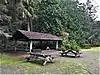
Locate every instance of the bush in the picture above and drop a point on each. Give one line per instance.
(70, 45)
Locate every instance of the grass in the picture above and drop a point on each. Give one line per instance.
(94, 50)
(58, 67)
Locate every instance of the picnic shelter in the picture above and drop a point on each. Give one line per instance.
(22, 35)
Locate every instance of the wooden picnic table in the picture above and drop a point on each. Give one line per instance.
(75, 52)
(45, 57)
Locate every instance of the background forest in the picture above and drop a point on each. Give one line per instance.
(73, 21)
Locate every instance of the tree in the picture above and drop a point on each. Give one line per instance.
(94, 34)
(27, 9)
(49, 19)
(75, 20)
(64, 16)
(50, 16)
(91, 9)
(19, 14)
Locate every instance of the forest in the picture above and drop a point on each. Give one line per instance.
(71, 20)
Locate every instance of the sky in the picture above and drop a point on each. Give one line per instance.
(95, 3)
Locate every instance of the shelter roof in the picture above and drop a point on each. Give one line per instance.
(29, 35)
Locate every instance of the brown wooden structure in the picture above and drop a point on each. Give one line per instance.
(30, 36)
(75, 52)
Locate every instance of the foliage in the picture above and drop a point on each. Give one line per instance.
(91, 10)
(63, 16)
(93, 37)
(51, 16)
(75, 21)
(16, 14)
(70, 45)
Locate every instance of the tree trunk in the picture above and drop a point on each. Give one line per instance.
(28, 26)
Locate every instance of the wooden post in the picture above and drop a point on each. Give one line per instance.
(31, 46)
(56, 44)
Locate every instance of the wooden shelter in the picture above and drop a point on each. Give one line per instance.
(30, 36)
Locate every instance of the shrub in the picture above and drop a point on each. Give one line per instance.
(70, 45)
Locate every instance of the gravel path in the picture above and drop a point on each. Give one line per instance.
(92, 62)
(11, 70)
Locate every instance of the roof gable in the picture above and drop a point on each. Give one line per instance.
(19, 36)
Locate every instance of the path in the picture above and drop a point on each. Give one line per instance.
(92, 61)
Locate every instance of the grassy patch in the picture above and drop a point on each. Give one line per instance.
(94, 50)
(58, 67)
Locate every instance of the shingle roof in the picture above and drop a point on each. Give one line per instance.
(37, 36)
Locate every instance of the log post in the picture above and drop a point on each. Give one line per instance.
(31, 46)
(56, 44)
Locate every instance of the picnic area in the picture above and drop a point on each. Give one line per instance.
(49, 37)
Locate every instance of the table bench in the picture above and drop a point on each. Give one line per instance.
(75, 52)
(45, 57)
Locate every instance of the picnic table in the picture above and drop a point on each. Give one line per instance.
(41, 56)
(75, 52)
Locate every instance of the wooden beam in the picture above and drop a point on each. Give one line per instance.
(56, 44)
(31, 46)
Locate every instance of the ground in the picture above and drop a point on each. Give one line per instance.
(88, 63)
